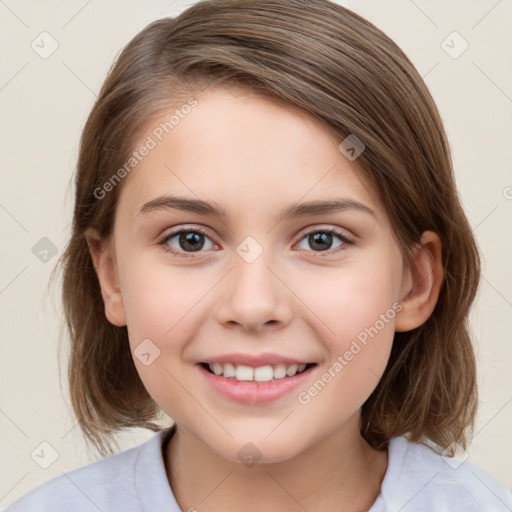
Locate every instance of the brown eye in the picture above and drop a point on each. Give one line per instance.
(185, 242)
(191, 241)
(323, 240)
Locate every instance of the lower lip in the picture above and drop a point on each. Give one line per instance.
(251, 392)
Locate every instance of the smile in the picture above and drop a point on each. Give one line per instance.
(255, 385)
(265, 373)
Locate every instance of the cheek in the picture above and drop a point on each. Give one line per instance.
(357, 312)
(162, 305)
(356, 308)
(350, 299)
(167, 306)
(158, 299)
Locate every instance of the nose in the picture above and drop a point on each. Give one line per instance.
(254, 296)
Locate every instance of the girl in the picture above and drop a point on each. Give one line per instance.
(268, 247)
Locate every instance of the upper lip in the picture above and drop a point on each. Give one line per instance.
(255, 360)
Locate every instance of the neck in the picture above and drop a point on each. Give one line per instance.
(341, 468)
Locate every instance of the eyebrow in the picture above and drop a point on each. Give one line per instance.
(293, 210)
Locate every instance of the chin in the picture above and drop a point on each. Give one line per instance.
(259, 451)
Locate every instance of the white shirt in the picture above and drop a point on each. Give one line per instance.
(416, 480)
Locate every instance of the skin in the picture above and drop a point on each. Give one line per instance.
(255, 156)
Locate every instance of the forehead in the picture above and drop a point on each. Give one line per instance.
(245, 152)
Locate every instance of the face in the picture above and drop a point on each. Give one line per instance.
(259, 282)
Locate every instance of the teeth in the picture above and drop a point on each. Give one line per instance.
(229, 370)
(216, 368)
(263, 373)
(280, 371)
(260, 374)
(244, 373)
(291, 370)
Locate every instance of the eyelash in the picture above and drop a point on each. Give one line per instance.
(331, 231)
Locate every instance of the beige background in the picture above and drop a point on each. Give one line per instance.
(44, 105)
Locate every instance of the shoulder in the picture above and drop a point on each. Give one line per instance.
(420, 479)
(112, 483)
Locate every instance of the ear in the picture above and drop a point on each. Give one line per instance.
(105, 267)
(421, 284)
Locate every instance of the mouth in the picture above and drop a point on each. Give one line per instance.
(255, 385)
(260, 374)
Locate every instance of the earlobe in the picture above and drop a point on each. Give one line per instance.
(421, 284)
(104, 265)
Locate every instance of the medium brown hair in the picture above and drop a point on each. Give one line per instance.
(348, 74)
